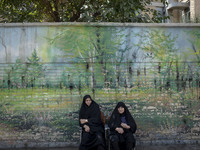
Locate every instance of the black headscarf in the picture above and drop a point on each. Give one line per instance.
(92, 113)
(115, 119)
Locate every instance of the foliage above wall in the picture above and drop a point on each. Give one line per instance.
(78, 11)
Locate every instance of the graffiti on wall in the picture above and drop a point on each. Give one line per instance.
(46, 70)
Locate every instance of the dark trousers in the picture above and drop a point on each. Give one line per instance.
(92, 141)
(122, 142)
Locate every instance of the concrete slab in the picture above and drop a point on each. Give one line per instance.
(163, 147)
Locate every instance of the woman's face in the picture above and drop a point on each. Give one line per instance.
(88, 101)
(121, 110)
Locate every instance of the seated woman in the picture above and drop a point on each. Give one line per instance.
(93, 135)
(122, 126)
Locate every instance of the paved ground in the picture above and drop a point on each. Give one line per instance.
(172, 147)
(166, 147)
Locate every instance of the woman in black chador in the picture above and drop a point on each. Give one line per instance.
(92, 126)
(122, 126)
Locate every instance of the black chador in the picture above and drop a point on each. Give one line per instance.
(122, 127)
(94, 139)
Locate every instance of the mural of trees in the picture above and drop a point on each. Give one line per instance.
(159, 46)
(100, 50)
(147, 68)
(195, 43)
(22, 75)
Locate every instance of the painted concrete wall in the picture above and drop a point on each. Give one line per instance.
(46, 69)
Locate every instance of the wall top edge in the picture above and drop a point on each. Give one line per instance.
(106, 24)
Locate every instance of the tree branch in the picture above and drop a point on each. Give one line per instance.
(54, 14)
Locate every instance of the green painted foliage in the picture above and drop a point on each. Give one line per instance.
(24, 74)
(195, 41)
(158, 45)
(99, 50)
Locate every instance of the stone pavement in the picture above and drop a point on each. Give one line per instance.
(163, 147)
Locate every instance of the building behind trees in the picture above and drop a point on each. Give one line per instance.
(179, 11)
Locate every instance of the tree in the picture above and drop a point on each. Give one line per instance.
(34, 70)
(78, 11)
(15, 74)
(193, 54)
(158, 45)
(195, 43)
(97, 49)
(21, 75)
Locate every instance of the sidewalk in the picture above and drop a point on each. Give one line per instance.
(164, 147)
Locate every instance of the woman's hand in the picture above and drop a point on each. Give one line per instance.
(87, 128)
(124, 125)
(119, 130)
(82, 121)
